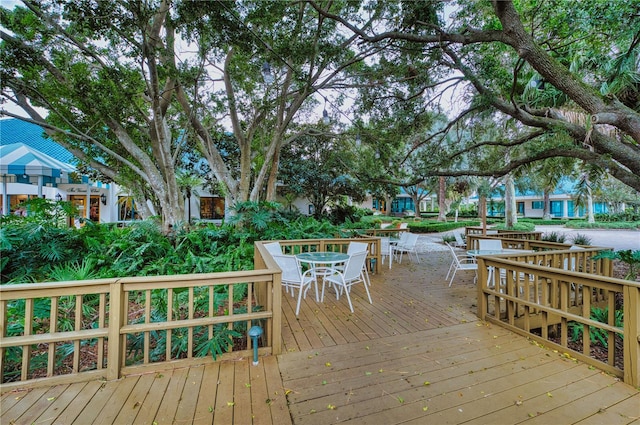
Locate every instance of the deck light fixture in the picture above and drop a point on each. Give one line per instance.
(103, 199)
(254, 334)
(58, 197)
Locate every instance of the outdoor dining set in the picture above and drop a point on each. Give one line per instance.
(336, 270)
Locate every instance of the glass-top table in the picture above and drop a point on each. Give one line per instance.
(322, 263)
(322, 257)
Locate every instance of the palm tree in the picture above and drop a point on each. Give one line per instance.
(187, 183)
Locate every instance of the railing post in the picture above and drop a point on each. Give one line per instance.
(631, 326)
(276, 321)
(483, 305)
(117, 303)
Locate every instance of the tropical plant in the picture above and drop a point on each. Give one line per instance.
(597, 335)
(554, 237)
(579, 239)
(627, 256)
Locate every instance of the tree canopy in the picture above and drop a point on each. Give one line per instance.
(134, 88)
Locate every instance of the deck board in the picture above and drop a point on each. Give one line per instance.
(79, 402)
(147, 411)
(417, 355)
(206, 397)
(61, 403)
(171, 397)
(134, 401)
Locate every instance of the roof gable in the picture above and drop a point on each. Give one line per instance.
(13, 130)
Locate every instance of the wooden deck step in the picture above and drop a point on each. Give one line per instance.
(469, 373)
(214, 393)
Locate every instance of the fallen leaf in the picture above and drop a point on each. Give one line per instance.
(367, 373)
(247, 385)
(230, 403)
(136, 404)
(327, 364)
(424, 409)
(324, 382)
(427, 383)
(549, 395)
(210, 409)
(331, 407)
(400, 399)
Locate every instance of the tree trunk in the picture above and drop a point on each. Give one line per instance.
(442, 197)
(510, 210)
(546, 211)
(482, 209)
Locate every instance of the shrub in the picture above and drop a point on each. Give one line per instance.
(434, 226)
(597, 335)
(520, 227)
(579, 239)
(554, 237)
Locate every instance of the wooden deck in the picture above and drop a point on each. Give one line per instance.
(417, 355)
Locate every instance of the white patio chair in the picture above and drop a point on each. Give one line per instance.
(489, 244)
(293, 278)
(352, 275)
(385, 248)
(461, 262)
(410, 246)
(459, 242)
(274, 248)
(352, 249)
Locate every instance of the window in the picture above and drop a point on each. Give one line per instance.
(537, 205)
(211, 208)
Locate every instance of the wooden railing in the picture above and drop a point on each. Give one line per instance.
(513, 234)
(81, 330)
(388, 231)
(63, 332)
(519, 243)
(533, 295)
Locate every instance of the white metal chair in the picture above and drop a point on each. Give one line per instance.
(461, 262)
(352, 249)
(357, 247)
(352, 275)
(410, 246)
(489, 244)
(293, 278)
(274, 248)
(459, 242)
(385, 248)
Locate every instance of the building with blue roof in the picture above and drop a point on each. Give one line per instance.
(32, 165)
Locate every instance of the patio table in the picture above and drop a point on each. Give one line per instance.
(322, 263)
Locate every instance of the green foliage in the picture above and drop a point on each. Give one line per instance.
(579, 239)
(520, 227)
(631, 258)
(597, 335)
(575, 224)
(554, 237)
(431, 226)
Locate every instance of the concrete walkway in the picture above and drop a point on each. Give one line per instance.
(616, 239)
